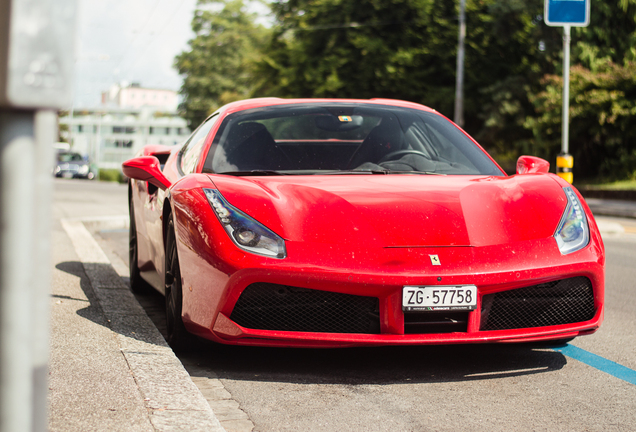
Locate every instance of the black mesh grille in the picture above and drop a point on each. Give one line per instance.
(435, 322)
(267, 306)
(561, 302)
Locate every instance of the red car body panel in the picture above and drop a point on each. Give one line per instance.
(398, 211)
(364, 235)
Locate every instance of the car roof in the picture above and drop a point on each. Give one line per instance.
(272, 101)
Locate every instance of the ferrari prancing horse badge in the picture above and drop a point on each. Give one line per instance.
(435, 260)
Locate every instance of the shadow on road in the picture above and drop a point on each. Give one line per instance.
(353, 366)
(111, 304)
(377, 366)
(93, 310)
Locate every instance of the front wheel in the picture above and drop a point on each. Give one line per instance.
(178, 337)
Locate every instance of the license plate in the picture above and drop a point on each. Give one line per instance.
(67, 175)
(439, 298)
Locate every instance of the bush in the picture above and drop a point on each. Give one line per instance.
(112, 175)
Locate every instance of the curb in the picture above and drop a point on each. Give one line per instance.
(172, 400)
(612, 208)
(609, 228)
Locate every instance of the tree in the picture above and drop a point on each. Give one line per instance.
(514, 51)
(217, 68)
(406, 49)
(368, 48)
(602, 126)
(602, 94)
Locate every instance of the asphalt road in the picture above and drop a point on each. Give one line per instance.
(589, 385)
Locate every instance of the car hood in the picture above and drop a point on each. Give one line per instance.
(400, 210)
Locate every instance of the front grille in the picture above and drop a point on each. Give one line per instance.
(435, 322)
(266, 306)
(69, 167)
(560, 302)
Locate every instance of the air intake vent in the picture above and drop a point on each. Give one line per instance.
(265, 306)
(561, 302)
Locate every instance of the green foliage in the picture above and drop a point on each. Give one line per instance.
(517, 49)
(369, 48)
(111, 175)
(611, 33)
(602, 91)
(406, 49)
(217, 68)
(602, 113)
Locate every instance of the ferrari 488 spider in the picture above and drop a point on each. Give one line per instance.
(327, 223)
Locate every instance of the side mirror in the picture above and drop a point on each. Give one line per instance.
(531, 164)
(146, 168)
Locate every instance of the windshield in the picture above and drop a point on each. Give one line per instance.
(343, 138)
(69, 157)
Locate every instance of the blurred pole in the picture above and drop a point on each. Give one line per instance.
(26, 159)
(45, 135)
(36, 63)
(17, 265)
(459, 87)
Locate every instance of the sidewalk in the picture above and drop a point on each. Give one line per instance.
(110, 369)
(614, 217)
(615, 208)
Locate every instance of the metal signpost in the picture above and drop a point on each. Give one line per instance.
(566, 14)
(36, 61)
(459, 86)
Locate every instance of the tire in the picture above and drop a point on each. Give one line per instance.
(177, 336)
(137, 284)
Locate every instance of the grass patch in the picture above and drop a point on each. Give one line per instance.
(615, 185)
(112, 175)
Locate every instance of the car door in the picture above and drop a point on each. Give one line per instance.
(186, 161)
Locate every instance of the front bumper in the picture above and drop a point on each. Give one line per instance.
(212, 294)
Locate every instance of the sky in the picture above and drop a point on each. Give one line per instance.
(129, 41)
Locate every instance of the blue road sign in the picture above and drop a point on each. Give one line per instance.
(567, 12)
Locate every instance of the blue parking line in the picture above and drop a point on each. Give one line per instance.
(598, 362)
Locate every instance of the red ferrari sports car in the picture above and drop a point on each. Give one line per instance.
(329, 223)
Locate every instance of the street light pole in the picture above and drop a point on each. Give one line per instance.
(459, 87)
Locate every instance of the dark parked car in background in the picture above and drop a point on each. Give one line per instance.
(73, 165)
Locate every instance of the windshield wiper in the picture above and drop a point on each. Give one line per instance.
(254, 173)
(416, 172)
(381, 172)
(354, 172)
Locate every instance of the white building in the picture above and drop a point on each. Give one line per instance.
(109, 136)
(135, 96)
(130, 117)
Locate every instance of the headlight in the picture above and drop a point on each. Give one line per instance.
(573, 233)
(245, 232)
(83, 170)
